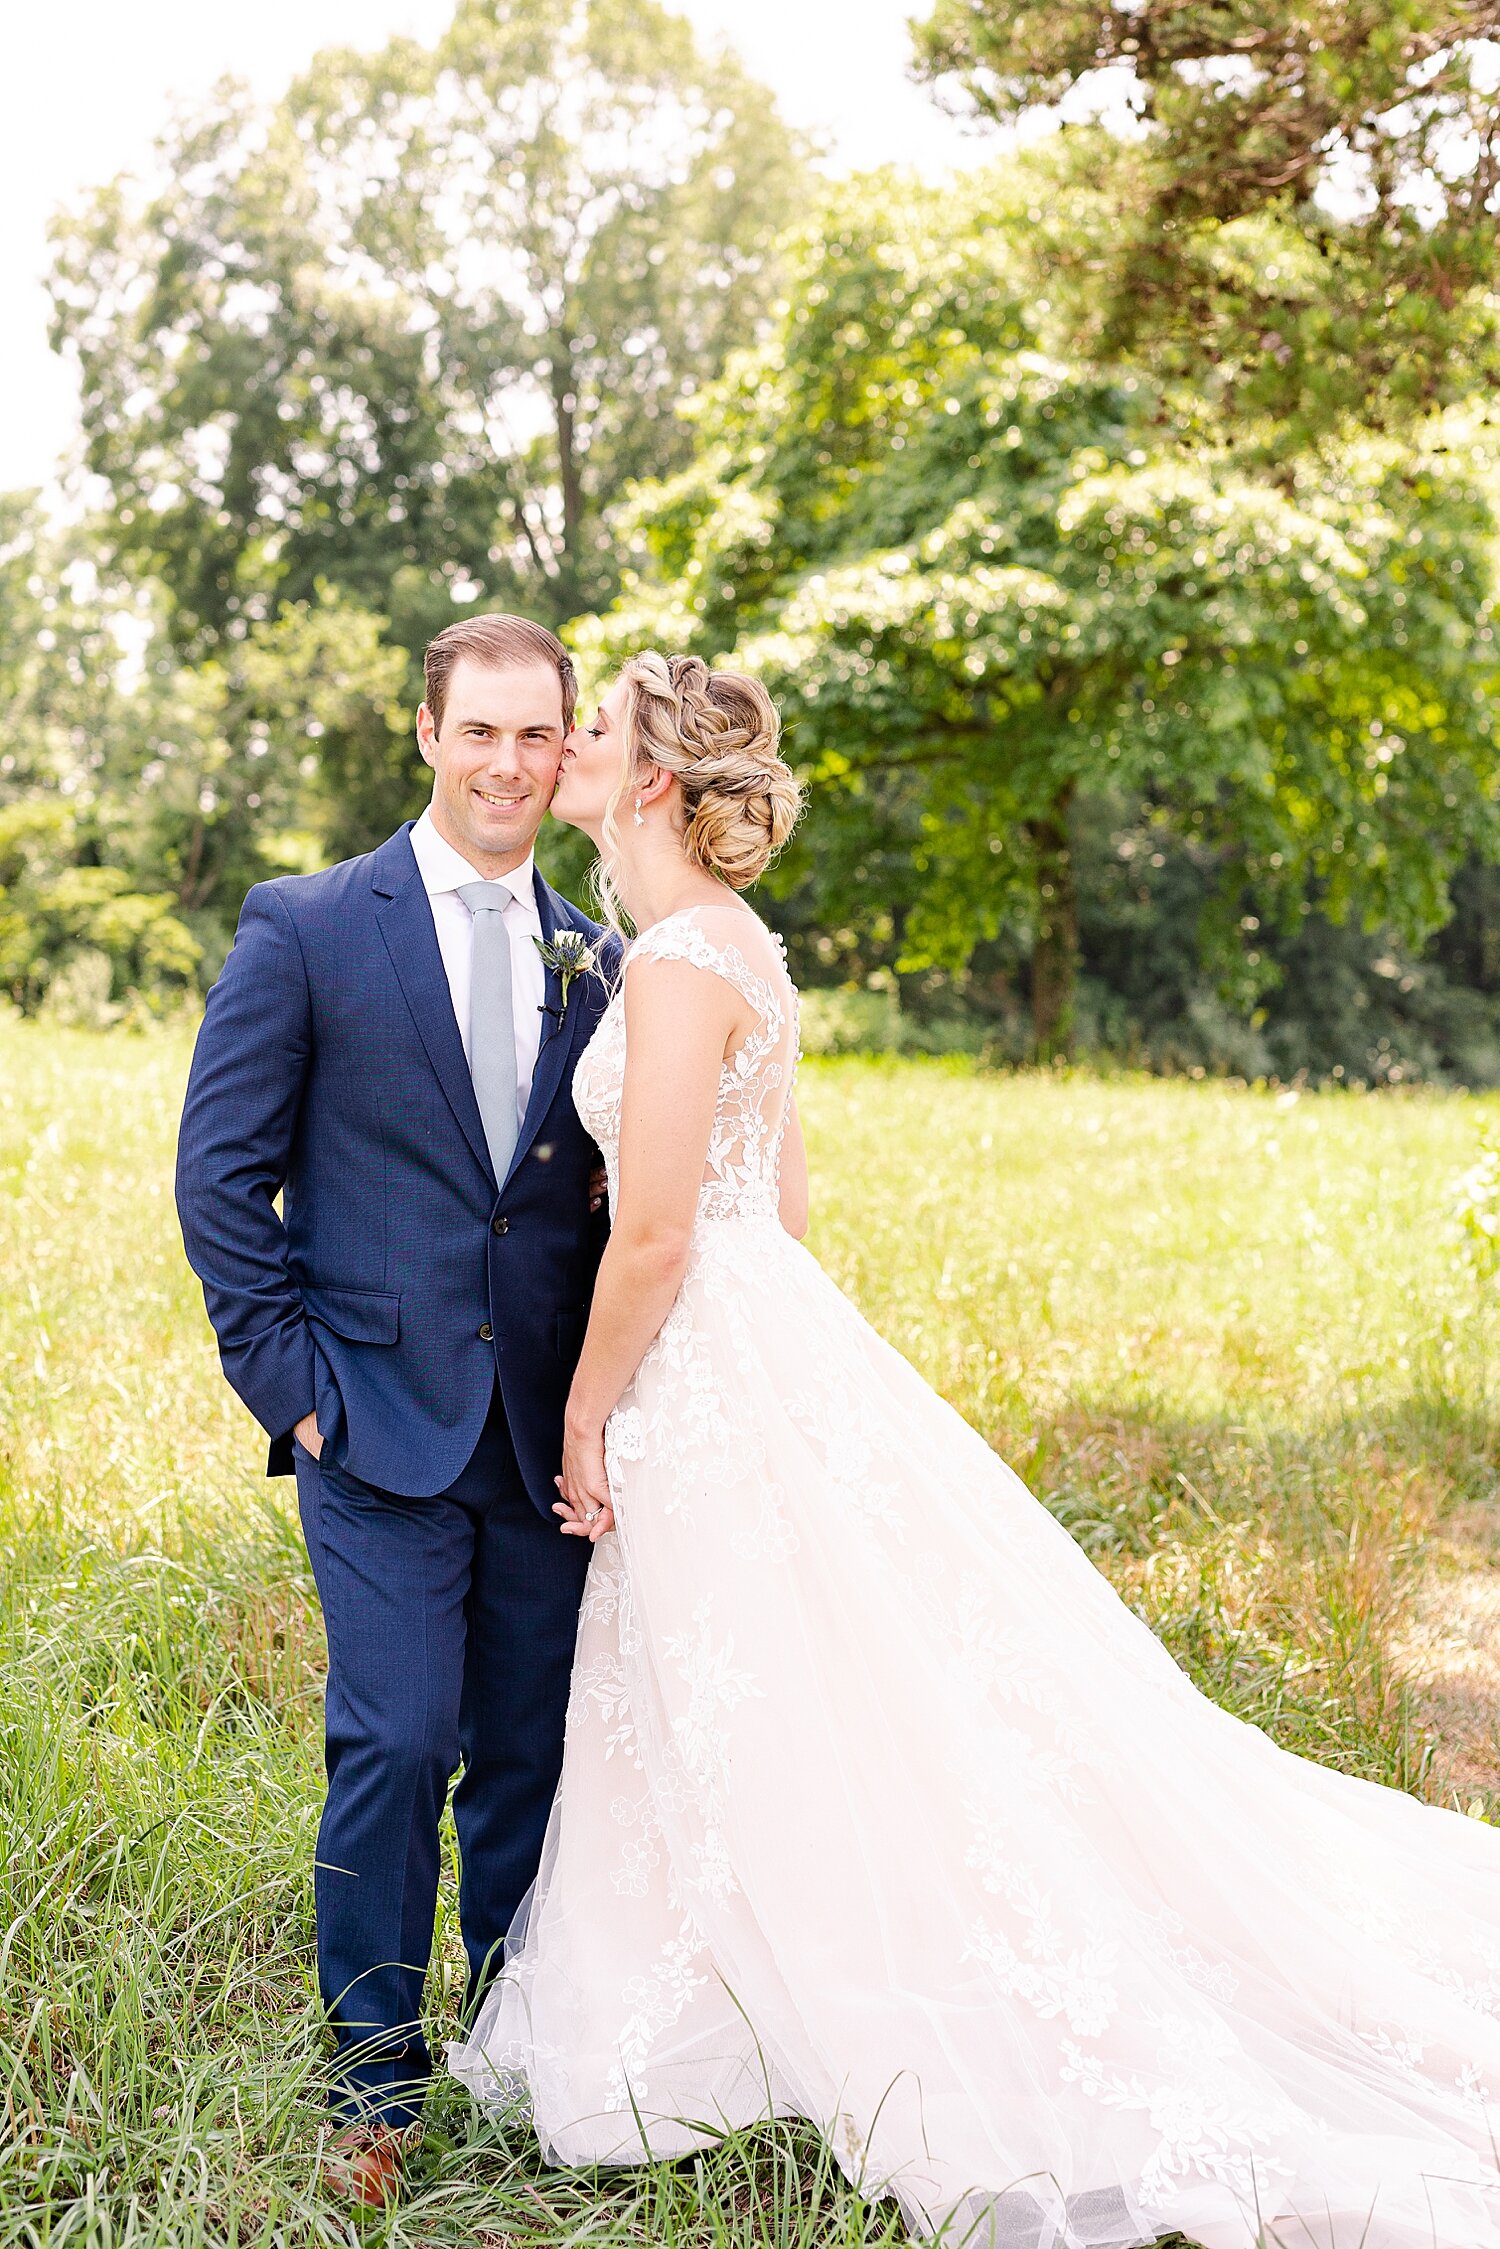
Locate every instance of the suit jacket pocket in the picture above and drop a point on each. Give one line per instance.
(359, 1315)
(570, 1333)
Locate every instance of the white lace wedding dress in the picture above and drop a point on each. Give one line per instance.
(880, 1807)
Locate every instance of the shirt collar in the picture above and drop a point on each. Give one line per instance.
(442, 868)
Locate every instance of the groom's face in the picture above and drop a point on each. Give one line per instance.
(494, 758)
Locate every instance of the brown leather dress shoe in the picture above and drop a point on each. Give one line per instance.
(363, 2164)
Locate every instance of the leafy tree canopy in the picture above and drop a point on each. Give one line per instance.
(982, 579)
(141, 795)
(1306, 213)
(407, 332)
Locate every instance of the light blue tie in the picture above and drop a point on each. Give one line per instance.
(492, 1023)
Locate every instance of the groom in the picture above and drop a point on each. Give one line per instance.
(390, 1050)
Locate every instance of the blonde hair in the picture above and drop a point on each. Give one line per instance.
(718, 734)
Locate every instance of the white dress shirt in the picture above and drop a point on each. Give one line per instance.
(444, 871)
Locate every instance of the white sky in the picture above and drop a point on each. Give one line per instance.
(89, 82)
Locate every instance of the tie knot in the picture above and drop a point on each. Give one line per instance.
(485, 897)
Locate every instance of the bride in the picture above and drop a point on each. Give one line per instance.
(879, 1807)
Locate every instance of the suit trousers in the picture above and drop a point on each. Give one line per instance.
(451, 1624)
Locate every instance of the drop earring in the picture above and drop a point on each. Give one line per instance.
(640, 820)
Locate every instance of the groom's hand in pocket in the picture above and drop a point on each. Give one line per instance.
(308, 1436)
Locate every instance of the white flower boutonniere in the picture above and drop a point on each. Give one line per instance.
(567, 956)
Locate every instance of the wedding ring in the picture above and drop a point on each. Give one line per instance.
(591, 1514)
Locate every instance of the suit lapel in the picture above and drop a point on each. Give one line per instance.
(404, 914)
(559, 1026)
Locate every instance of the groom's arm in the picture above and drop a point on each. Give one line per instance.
(238, 1123)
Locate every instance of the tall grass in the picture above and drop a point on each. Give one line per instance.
(1226, 1337)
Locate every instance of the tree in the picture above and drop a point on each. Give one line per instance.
(290, 748)
(406, 334)
(1307, 220)
(61, 908)
(982, 580)
(141, 796)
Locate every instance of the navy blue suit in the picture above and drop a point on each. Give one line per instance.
(432, 1316)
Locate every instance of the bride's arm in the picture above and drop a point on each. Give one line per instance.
(679, 1023)
(792, 1202)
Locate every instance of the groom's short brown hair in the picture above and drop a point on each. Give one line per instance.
(496, 640)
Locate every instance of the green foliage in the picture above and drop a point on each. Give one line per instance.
(304, 721)
(1478, 1209)
(369, 357)
(140, 795)
(1336, 1004)
(1304, 209)
(982, 580)
(404, 333)
(104, 933)
(1101, 517)
(54, 913)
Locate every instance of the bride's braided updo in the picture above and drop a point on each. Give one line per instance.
(718, 734)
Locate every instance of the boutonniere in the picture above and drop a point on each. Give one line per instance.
(567, 955)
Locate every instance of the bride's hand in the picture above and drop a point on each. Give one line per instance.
(584, 1506)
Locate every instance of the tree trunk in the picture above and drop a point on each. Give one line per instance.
(565, 406)
(1054, 956)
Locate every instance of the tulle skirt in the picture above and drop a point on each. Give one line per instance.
(880, 1808)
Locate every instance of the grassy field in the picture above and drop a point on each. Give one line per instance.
(1228, 1336)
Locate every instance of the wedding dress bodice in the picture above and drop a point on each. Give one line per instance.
(740, 1177)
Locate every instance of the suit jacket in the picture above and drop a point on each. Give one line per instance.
(399, 1276)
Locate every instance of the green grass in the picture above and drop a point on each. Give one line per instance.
(1228, 1336)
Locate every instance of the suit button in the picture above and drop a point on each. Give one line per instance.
(499, 1225)
(486, 1333)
